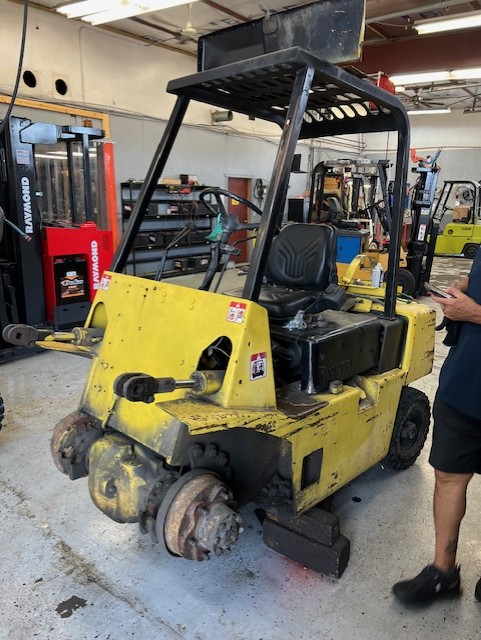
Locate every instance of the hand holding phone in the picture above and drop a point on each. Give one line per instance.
(431, 288)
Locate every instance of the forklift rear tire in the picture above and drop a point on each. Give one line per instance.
(469, 250)
(406, 281)
(410, 429)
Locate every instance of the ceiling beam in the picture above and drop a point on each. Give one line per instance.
(426, 53)
(227, 11)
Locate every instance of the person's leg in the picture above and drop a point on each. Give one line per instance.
(442, 577)
(449, 510)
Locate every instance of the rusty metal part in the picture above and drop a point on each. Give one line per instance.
(277, 490)
(158, 491)
(122, 474)
(86, 336)
(210, 458)
(71, 440)
(198, 517)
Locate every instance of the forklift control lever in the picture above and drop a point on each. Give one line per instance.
(140, 387)
(229, 249)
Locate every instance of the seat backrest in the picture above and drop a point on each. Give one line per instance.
(303, 256)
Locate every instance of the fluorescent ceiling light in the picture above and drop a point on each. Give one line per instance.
(462, 21)
(435, 76)
(420, 78)
(101, 11)
(425, 112)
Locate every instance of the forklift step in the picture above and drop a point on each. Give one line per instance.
(329, 560)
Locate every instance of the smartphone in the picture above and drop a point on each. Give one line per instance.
(436, 290)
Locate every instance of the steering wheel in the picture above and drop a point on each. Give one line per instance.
(230, 224)
(217, 193)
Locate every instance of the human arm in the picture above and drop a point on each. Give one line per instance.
(460, 306)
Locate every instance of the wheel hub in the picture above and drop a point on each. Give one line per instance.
(198, 517)
(71, 440)
(409, 433)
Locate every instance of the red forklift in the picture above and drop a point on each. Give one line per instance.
(57, 232)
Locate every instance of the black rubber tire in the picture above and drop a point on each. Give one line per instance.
(405, 280)
(469, 250)
(410, 430)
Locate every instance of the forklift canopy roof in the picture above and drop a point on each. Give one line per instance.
(261, 87)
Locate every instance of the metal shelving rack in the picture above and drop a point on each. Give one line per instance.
(170, 209)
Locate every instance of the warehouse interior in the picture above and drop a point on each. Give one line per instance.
(172, 149)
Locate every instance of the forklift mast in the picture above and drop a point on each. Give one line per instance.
(20, 261)
(425, 225)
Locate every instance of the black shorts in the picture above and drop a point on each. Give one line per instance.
(456, 446)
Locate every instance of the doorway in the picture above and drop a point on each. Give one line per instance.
(240, 186)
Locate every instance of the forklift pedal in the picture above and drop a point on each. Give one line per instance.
(330, 560)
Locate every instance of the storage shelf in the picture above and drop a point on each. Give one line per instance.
(171, 208)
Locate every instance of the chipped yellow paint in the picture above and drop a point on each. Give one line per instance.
(353, 435)
(418, 354)
(162, 329)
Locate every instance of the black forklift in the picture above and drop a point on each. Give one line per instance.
(281, 392)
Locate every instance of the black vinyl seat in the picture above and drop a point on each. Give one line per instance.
(301, 272)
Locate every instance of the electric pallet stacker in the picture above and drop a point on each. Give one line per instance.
(49, 268)
(279, 393)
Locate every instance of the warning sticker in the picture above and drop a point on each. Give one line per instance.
(105, 281)
(237, 312)
(258, 366)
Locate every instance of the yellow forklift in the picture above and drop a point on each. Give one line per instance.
(462, 234)
(279, 393)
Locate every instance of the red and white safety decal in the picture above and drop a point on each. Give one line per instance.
(237, 312)
(105, 281)
(258, 366)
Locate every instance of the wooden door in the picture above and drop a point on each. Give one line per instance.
(240, 186)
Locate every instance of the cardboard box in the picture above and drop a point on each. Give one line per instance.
(461, 212)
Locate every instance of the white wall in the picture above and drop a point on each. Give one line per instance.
(105, 71)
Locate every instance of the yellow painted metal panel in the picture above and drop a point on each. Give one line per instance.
(161, 330)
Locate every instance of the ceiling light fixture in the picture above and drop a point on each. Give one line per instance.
(452, 23)
(102, 11)
(435, 76)
(425, 112)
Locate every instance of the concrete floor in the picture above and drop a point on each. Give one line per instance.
(69, 573)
